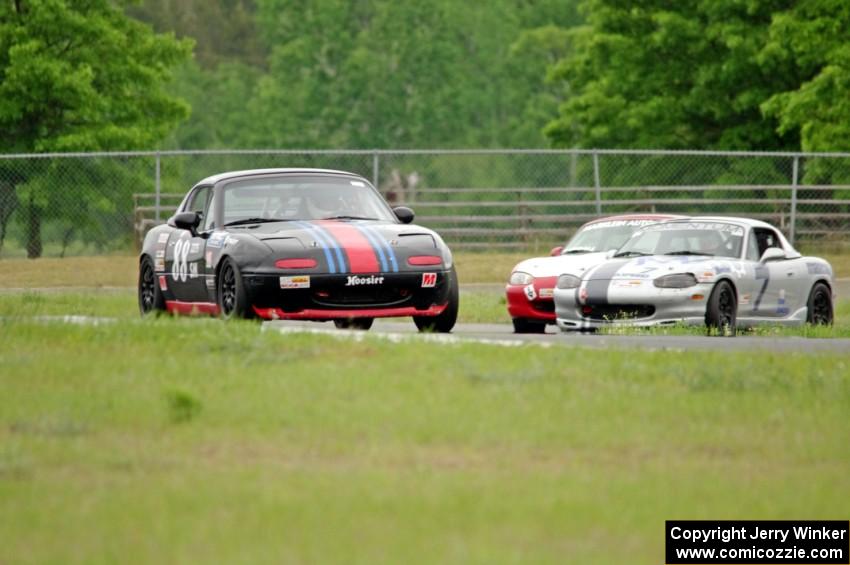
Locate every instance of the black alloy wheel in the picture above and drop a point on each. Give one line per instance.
(150, 295)
(722, 310)
(820, 311)
(445, 321)
(232, 298)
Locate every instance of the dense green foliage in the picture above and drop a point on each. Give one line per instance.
(77, 76)
(757, 75)
(333, 73)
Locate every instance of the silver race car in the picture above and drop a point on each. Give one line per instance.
(721, 272)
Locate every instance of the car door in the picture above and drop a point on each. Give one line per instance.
(186, 269)
(754, 276)
(782, 279)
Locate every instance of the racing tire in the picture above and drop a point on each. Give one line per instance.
(354, 323)
(231, 295)
(525, 326)
(151, 300)
(444, 322)
(721, 312)
(819, 306)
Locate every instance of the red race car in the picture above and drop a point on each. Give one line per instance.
(532, 283)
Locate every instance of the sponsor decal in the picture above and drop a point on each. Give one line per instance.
(208, 259)
(210, 282)
(781, 308)
(744, 300)
(163, 237)
(216, 240)
(357, 183)
(547, 292)
(159, 265)
(818, 269)
(195, 247)
(163, 283)
(354, 280)
(193, 270)
(429, 280)
(619, 223)
(731, 229)
(300, 281)
(529, 292)
(160, 253)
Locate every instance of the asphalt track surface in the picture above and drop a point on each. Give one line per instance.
(502, 334)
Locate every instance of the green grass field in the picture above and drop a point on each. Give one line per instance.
(194, 440)
(186, 440)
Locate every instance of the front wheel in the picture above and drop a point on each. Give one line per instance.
(721, 313)
(820, 312)
(354, 323)
(448, 317)
(151, 299)
(232, 297)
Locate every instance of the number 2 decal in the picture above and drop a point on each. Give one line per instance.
(762, 272)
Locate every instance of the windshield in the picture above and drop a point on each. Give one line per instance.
(312, 197)
(715, 239)
(603, 236)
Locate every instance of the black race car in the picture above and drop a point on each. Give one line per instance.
(297, 244)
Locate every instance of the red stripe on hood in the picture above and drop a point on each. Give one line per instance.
(361, 255)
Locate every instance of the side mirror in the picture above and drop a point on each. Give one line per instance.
(773, 254)
(404, 214)
(186, 221)
(556, 251)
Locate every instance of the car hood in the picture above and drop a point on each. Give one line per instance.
(353, 246)
(560, 264)
(651, 267)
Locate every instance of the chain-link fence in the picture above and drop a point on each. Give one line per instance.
(74, 204)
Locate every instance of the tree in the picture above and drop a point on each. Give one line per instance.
(80, 76)
(810, 42)
(400, 74)
(767, 74)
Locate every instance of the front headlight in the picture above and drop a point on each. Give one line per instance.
(518, 277)
(568, 282)
(683, 280)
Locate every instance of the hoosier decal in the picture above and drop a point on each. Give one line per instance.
(354, 280)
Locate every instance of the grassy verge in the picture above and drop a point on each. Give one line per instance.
(486, 307)
(476, 306)
(192, 440)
